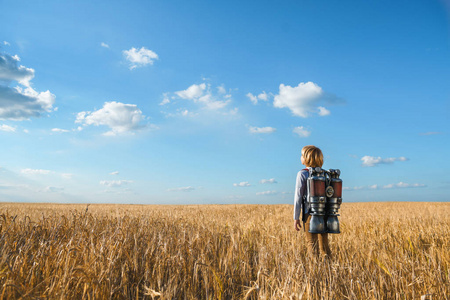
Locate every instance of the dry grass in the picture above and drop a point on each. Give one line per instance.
(385, 251)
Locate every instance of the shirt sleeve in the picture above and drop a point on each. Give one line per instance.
(300, 190)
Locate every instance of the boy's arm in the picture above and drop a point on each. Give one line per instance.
(297, 202)
(300, 191)
(297, 225)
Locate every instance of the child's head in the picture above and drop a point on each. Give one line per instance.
(312, 156)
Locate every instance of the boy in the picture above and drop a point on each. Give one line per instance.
(311, 157)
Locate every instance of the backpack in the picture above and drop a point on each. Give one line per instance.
(324, 198)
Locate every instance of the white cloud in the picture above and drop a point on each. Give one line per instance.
(6, 43)
(403, 185)
(346, 188)
(323, 111)
(18, 103)
(104, 45)
(202, 94)
(263, 96)
(199, 102)
(192, 92)
(252, 98)
(301, 100)
(26, 131)
(210, 102)
(59, 130)
(371, 161)
(114, 173)
(141, 57)
(266, 193)
(35, 172)
(44, 100)
(165, 101)
(15, 186)
(242, 184)
(120, 117)
(221, 89)
(232, 112)
(262, 129)
(271, 180)
(301, 131)
(187, 113)
(181, 112)
(10, 70)
(115, 183)
(182, 189)
(7, 128)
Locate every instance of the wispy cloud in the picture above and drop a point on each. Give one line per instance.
(271, 180)
(7, 128)
(165, 100)
(267, 193)
(242, 184)
(221, 89)
(400, 185)
(67, 175)
(60, 130)
(53, 189)
(203, 95)
(115, 183)
(301, 131)
(371, 161)
(14, 187)
(323, 111)
(403, 185)
(182, 189)
(114, 173)
(195, 91)
(254, 99)
(104, 45)
(140, 58)
(262, 129)
(35, 172)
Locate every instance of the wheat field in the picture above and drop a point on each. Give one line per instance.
(385, 251)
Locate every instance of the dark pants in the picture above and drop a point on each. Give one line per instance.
(316, 241)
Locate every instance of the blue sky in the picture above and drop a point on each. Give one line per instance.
(195, 102)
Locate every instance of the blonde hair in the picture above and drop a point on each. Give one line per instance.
(312, 156)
